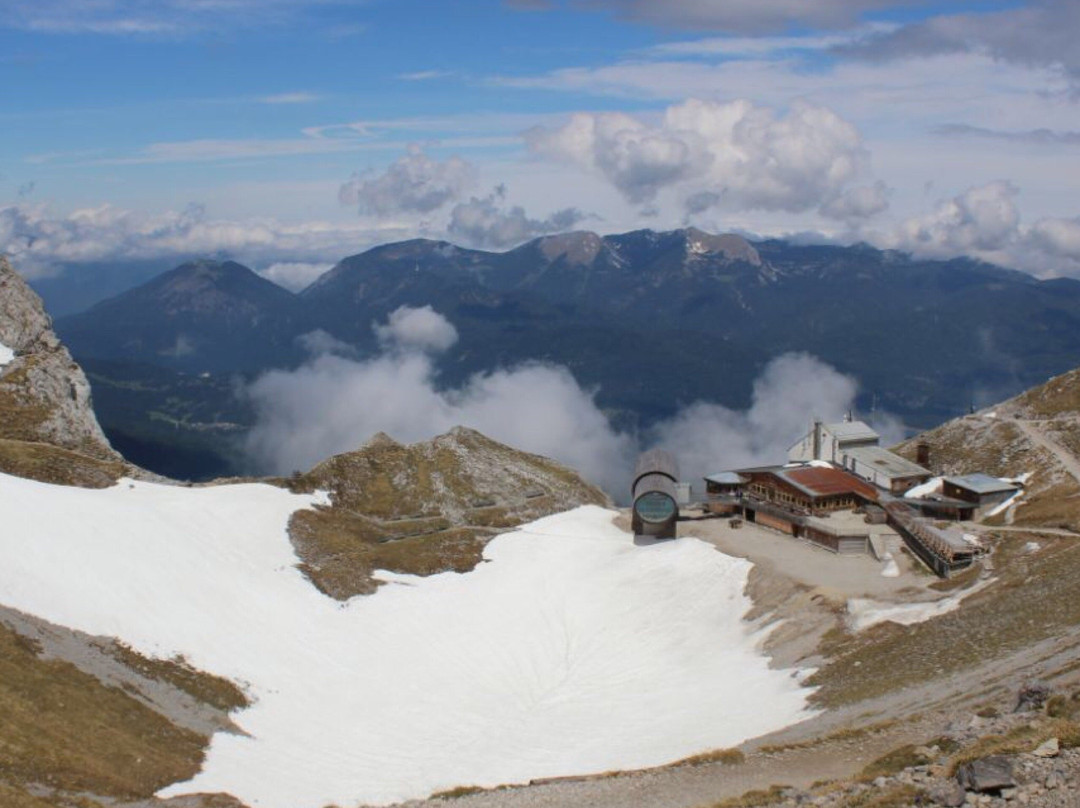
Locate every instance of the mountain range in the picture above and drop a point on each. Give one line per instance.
(651, 320)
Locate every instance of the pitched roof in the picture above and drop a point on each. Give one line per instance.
(727, 478)
(817, 481)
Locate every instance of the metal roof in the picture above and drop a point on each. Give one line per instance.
(727, 478)
(852, 430)
(885, 462)
(817, 481)
(980, 483)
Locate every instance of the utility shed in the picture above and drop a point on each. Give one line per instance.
(884, 469)
(981, 490)
(655, 495)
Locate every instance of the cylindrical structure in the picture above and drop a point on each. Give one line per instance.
(655, 508)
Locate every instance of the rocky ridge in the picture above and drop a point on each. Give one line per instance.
(423, 508)
(48, 430)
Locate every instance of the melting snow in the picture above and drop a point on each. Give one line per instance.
(890, 569)
(863, 613)
(6, 354)
(931, 486)
(571, 651)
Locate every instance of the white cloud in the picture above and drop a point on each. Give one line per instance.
(38, 241)
(489, 222)
(334, 404)
(414, 183)
(981, 219)
(791, 390)
(422, 329)
(985, 222)
(745, 156)
(294, 275)
(746, 16)
(858, 203)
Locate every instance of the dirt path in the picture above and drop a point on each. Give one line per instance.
(1066, 458)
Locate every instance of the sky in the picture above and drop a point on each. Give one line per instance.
(290, 133)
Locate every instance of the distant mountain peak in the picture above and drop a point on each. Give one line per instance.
(731, 246)
(578, 247)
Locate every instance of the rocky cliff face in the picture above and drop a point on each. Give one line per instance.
(44, 395)
(423, 508)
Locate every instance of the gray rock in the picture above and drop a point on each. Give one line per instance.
(987, 775)
(951, 795)
(43, 378)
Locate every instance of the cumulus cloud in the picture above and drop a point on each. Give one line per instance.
(416, 329)
(741, 155)
(980, 219)
(738, 16)
(38, 241)
(334, 403)
(858, 203)
(489, 222)
(984, 222)
(414, 183)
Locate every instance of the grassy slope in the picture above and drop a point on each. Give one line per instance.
(65, 730)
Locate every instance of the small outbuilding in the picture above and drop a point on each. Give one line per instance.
(724, 492)
(981, 490)
(655, 511)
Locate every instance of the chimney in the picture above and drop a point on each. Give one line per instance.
(817, 439)
(922, 454)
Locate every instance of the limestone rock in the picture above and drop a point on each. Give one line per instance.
(44, 395)
(987, 775)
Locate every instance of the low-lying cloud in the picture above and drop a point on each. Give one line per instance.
(38, 241)
(489, 222)
(335, 403)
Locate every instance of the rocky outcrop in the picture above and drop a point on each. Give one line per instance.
(44, 395)
(423, 508)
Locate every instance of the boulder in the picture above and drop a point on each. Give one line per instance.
(1032, 696)
(951, 795)
(987, 775)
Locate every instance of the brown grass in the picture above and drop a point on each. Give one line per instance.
(62, 728)
(756, 798)
(51, 464)
(204, 687)
(726, 757)
(1010, 615)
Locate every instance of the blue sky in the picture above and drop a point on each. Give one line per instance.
(292, 132)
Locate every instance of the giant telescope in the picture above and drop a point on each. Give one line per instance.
(655, 509)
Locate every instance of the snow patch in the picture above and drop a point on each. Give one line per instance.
(931, 486)
(571, 651)
(6, 354)
(863, 612)
(1032, 547)
(890, 569)
(1005, 504)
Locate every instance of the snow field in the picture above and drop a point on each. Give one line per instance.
(570, 651)
(6, 354)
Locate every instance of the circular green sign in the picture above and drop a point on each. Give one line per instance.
(655, 507)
